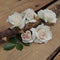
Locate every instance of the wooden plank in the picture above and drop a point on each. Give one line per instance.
(35, 51)
(18, 7)
(11, 4)
(53, 55)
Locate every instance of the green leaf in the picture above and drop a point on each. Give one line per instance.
(13, 40)
(9, 46)
(19, 47)
(26, 44)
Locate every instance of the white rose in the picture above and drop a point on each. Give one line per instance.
(29, 15)
(43, 34)
(27, 37)
(47, 15)
(16, 20)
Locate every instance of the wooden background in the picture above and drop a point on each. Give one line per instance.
(57, 57)
(35, 51)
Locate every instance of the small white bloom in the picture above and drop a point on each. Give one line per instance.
(16, 20)
(42, 33)
(29, 15)
(47, 15)
(27, 37)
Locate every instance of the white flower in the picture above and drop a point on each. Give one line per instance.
(47, 15)
(42, 33)
(27, 37)
(29, 15)
(16, 20)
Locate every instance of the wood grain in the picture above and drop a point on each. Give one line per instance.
(35, 51)
(57, 57)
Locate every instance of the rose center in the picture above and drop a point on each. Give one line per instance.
(42, 35)
(26, 36)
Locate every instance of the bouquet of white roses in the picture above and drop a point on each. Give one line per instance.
(40, 34)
